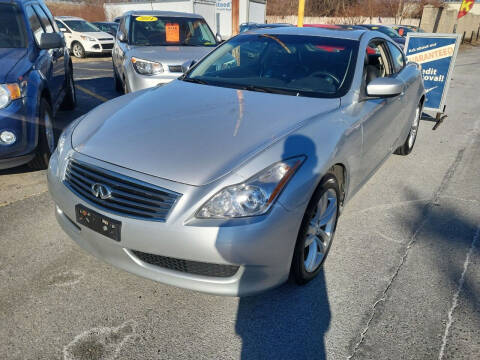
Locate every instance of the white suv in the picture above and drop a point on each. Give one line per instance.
(83, 38)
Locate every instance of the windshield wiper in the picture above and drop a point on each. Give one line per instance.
(196, 81)
(270, 90)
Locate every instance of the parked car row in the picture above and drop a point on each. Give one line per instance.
(230, 178)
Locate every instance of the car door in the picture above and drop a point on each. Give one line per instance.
(120, 47)
(43, 61)
(403, 74)
(380, 127)
(57, 55)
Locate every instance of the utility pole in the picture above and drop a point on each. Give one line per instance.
(301, 12)
(235, 16)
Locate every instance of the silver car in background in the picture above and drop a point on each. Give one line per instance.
(242, 183)
(156, 47)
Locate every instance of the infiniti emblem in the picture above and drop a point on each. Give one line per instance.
(101, 191)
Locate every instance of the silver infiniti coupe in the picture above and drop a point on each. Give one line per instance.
(232, 177)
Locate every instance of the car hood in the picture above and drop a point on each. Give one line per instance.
(177, 55)
(191, 133)
(98, 35)
(8, 59)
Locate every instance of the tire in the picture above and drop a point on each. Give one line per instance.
(407, 146)
(116, 82)
(317, 231)
(46, 137)
(70, 100)
(78, 50)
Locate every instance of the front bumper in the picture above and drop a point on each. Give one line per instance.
(99, 47)
(16, 118)
(262, 249)
(137, 81)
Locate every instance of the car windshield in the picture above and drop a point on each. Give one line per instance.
(166, 31)
(106, 27)
(12, 30)
(81, 26)
(386, 30)
(285, 64)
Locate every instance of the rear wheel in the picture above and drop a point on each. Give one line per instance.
(46, 137)
(316, 233)
(407, 146)
(78, 50)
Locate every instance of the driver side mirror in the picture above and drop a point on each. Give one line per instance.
(384, 87)
(219, 38)
(188, 65)
(62, 29)
(121, 37)
(51, 41)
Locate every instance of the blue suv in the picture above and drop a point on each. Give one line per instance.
(36, 79)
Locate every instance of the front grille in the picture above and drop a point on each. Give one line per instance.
(175, 68)
(129, 197)
(186, 266)
(105, 39)
(107, 46)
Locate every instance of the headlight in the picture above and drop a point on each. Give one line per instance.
(253, 197)
(146, 67)
(9, 92)
(87, 38)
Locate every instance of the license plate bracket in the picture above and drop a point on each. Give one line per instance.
(98, 222)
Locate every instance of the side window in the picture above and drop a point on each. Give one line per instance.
(44, 19)
(126, 25)
(46, 10)
(61, 25)
(34, 23)
(398, 59)
(376, 61)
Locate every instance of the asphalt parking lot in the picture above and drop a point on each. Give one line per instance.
(402, 280)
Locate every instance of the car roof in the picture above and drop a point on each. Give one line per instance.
(19, 1)
(348, 34)
(162, 13)
(69, 18)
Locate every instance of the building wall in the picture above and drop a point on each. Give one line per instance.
(448, 19)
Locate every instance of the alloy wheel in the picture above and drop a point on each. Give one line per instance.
(413, 131)
(77, 51)
(320, 231)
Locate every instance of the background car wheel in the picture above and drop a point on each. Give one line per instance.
(316, 233)
(46, 137)
(407, 146)
(78, 50)
(70, 100)
(116, 82)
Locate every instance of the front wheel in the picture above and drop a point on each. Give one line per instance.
(46, 137)
(407, 146)
(316, 233)
(78, 50)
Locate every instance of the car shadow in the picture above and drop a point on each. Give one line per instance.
(290, 321)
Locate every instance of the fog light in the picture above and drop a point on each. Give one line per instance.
(7, 138)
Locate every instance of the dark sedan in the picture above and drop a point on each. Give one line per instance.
(394, 35)
(108, 27)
